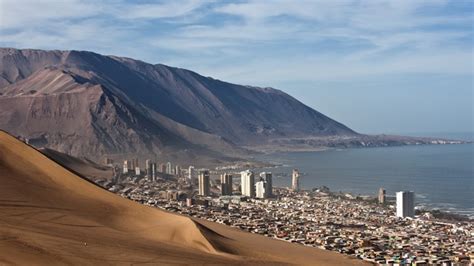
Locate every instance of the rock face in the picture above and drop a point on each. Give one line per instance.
(86, 104)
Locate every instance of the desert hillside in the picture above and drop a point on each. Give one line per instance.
(49, 215)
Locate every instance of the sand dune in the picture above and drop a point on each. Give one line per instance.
(82, 166)
(49, 215)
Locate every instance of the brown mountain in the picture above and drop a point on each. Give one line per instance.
(86, 104)
(51, 216)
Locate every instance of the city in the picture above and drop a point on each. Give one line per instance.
(375, 229)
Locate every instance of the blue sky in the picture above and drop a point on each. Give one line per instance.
(377, 66)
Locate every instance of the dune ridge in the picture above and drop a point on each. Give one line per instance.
(49, 215)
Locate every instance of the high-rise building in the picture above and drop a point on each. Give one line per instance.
(226, 184)
(405, 204)
(267, 177)
(134, 163)
(169, 168)
(177, 171)
(148, 167)
(162, 168)
(260, 191)
(153, 171)
(295, 180)
(247, 183)
(381, 196)
(191, 173)
(204, 183)
(126, 167)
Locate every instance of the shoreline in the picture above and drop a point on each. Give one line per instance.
(436, 213)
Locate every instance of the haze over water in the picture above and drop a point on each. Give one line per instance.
(442, 176)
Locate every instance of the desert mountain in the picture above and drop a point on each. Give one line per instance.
(49, 215)
(87, 104)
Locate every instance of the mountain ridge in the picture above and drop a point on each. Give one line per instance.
(90, 105)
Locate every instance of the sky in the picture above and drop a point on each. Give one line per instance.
(378, 66)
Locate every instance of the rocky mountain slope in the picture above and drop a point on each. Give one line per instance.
(92, 105)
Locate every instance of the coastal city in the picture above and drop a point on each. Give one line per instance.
(378, 229)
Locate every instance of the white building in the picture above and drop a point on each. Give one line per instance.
(204, 183)
(125, 167)
(137, 170)
(405, 204)
(191, 173)
(260, 191)
(295, 180)
(247, 183)
(169, 168)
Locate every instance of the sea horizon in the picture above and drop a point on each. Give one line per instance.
(433, 172)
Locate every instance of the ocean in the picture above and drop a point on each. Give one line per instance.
(442, 176)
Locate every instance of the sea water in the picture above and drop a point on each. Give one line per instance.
(442, 176)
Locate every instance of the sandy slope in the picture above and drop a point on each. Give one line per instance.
(83, 166)
(49, 215)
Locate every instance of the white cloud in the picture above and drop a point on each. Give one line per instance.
(169, 9)
(21, 14)
(243, 41)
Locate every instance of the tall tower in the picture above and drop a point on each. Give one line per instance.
(381, 196)
(153, 171)
(267, 177)
(177, 171)
(191, 173)
(204, 183)
(163, 168)
(247, 183)
(226, 184)
(148, 167)
(168, 168)
(125, 166)
(405, 204)
(133, 164)
(295, 180)
(260, 191)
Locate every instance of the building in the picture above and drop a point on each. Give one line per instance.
(191, 173)
(267, 177)
(204, 183)
(295, 180)
(169, 169)
(226, 184)
(126, 166)
(137, 170)
(108, 161)
(260, 191)
(247, 183)
(405, 204)
(162, 168)
(153, 171)
(148, 167)
(381, 196)
(177, 171)
(134, 164)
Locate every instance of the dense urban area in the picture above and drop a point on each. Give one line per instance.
(376, 229)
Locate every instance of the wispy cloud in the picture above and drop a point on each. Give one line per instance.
(244, 39)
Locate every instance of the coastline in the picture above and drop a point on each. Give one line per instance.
(282, 163)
